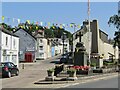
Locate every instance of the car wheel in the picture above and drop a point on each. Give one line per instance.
(9, 74)
(17, 73)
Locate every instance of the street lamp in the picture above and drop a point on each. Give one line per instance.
(72, 36)
(63, 38)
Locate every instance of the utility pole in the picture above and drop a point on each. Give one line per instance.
(89, 39)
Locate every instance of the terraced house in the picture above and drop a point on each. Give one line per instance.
(9, 47)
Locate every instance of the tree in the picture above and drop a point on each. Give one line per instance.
(7, 27)
(49, 33)
(115, 20)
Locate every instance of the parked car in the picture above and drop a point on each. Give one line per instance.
(70, 55)
(8, 69)
(63, 60)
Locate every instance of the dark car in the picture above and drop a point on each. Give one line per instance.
(8, 69)
(63, 60)
(70, 55)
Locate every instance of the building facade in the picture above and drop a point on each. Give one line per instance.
(43, 46)
(27, 46)
(9, 47)
(99, 44)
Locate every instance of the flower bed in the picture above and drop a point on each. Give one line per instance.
(81, 69)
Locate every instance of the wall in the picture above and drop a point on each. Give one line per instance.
(106, 48)
(12, 49)
(74, 43)
(103, 36)
(45, 48)
(84, 39)
(27, 44)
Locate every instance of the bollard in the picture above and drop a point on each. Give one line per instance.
(23, 66)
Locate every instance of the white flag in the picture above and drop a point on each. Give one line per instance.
(18, 21)
(13, 20)
(41, 23)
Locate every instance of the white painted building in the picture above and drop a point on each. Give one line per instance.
(43, 46)
(9, 47)
(66, 45)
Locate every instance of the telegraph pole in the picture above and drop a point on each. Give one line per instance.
(89, 39)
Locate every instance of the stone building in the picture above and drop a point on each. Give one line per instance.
(99, 45)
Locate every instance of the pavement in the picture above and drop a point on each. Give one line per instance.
(31, 72)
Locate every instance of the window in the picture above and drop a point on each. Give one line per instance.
(14, 43)
(12, 65)
(40, 40)
(41, 47)
(41, 54)
(6, 41)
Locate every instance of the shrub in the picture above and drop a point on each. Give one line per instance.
(93, 64)
(71, 70)
(51, 70)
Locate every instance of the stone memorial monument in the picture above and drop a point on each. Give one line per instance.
(80, 55)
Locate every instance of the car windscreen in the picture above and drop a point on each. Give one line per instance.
(6, 64)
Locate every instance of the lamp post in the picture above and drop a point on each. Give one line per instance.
(72, 36)
(63, 38)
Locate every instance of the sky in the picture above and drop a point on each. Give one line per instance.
(61, 13)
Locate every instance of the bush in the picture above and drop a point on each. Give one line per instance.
(93, 64)
(51, 70)
(105, 63)
(71, 70)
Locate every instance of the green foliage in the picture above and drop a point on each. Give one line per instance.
(51, 70)
(93, 64)
(7, 27)
(105, 63)
(71, 70)
(115, 20)
(53, 32)
(49, 33)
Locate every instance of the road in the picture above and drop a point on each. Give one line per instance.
(104, 83)
(34, 72)
(31, 73)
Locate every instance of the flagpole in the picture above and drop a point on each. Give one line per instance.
(89, 31)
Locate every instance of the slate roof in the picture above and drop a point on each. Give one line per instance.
(8, 32)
